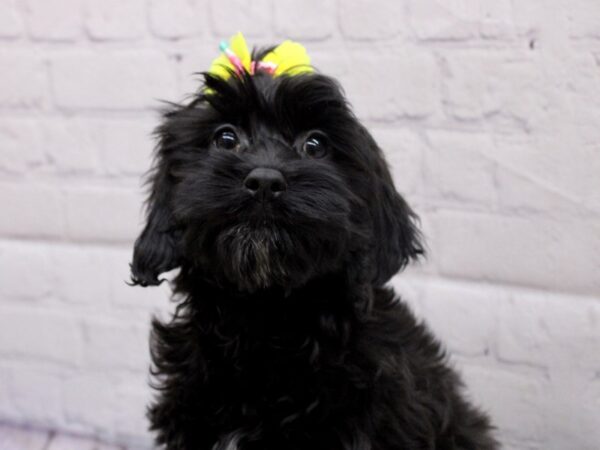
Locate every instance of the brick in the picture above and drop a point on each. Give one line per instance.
(583, 88)
(547, 331)
(364, 20)
(11, 24)
(253, 17)
(67, 442)
(31, 210)
(434, 20)
(115, 80)
(92, 146)
(408, 86)
(24, 85)
(522, 192)
(448, 306)
(131, 424)
(308, 20)
(7, 409)
(12, 438)
(41, 335)
(569, 412)
(514, 400)
(543, 174)
(127, 146)
(81, 390)
(21, 145)
(37, 395)
(404, 151)
(500, 85)
(590, 401)
(115, 19)
(496, 20)
(536, 20)
(583, 18)
(59, 20)
(103, 214)
(458, 168)
(112, 344)
(82, 275)
(519, 250)
(177, 18)
(27, 271)
(71, 144)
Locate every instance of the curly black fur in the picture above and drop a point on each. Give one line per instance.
(284, 336)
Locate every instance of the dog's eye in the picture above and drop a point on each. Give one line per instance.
(226, 139)
(315, 145)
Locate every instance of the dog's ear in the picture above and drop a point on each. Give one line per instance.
(156, 250)
(396, 238)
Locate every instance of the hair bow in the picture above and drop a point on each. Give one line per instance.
(289, 58)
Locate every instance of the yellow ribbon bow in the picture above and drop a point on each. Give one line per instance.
(288, 58)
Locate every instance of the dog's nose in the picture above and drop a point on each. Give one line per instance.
(265, 183)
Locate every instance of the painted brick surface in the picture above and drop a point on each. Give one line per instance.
(489, 113)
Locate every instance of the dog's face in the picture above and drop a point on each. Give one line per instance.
(267, 182)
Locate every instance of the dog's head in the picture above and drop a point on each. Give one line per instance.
(264, 181)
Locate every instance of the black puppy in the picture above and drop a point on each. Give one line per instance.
(279, 210)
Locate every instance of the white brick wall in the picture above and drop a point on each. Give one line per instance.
(489, 112)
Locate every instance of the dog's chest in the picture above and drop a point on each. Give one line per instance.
(278, 379)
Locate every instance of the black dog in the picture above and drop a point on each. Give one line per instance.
(278, 208)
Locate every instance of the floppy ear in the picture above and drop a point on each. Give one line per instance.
(156, 249)
(397, 239)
